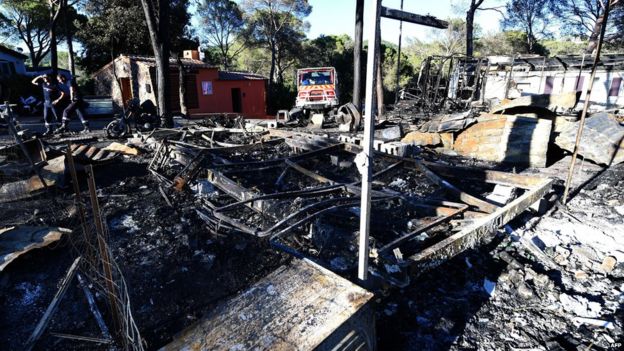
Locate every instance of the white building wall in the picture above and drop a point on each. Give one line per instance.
(532, 83)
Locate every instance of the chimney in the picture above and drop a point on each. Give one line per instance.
(191, 54)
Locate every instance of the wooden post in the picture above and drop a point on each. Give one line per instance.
(398, 73)
(103, 250)
(357, 54)
(579, 133)
(181, 86)
(74, 176)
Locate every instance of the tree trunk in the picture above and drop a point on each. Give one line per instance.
(380, 87)
(158, 31)
(593, 38)
(53, 49)
(34, 62)
(54, 13)
(270, 92)
(70, 46)
(470, 30)
(163, 33)
(357, 54)
(273, 63)
(182, 86)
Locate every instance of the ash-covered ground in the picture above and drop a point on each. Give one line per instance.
(174, 268)
(499, 297)
(503, 297)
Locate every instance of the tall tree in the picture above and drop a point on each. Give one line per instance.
(55, 8)
(580, 18)
(532, 17)
(335, 51)
(616, 12)
(157, 18)
(117, 27)
(473, 7)
(451, 40)
(71, 18)
(278, 25)
(28, 21)
(222, 24)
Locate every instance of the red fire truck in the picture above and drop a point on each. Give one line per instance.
(317, 89)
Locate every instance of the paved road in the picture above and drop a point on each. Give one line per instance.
(35, 124)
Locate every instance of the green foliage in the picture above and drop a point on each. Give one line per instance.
(118, 27)
(222, 23)
(533, 18)
(333, 51)
(279, 26)
(563, 47)
(511, 42)
(27, 21)
(389, 57)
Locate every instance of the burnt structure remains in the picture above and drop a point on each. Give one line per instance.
(458, 218)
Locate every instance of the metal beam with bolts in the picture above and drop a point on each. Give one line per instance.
(365, 159)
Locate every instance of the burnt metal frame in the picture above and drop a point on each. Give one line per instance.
(489, 216)
(492, 216)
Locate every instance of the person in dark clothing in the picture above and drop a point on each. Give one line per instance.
(70, 92)
(49, 87)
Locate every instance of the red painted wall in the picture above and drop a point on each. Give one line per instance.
(253, 95)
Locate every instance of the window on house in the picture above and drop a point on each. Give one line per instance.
(615, 86)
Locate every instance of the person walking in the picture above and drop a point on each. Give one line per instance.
(69, 90)
(49, 88)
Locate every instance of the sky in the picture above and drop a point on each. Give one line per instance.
(338, 17)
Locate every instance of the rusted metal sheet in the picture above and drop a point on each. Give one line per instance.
(301, 306)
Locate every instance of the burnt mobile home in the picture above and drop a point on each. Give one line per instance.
(530, 75)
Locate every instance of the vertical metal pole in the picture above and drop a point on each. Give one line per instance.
(398, 73)
(579, 133)
(357, 54)
(369, 128)
(74, 176)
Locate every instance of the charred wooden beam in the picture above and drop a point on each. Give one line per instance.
(442, 219)
(405, 16)
(481, 229)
